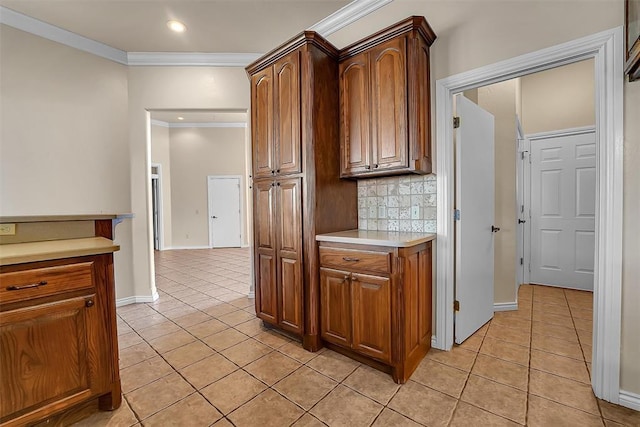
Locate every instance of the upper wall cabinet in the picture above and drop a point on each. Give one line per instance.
(276, 117)
(385, 102)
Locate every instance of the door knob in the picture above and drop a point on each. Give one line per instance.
(494, 229)
(521, 221)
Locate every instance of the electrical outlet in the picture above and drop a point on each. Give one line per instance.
(415, 212)
(7, 229)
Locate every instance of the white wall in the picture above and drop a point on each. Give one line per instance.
(64, 147)
(560, 98)
(500, 100)
(160, 154)
(195, 154)
(169, 88)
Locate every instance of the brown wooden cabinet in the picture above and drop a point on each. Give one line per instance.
(57, 329)
(385, 102)
(376, 303)
(276, 117)
(295, 149)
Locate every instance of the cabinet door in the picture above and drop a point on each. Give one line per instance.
(419, 104)
(287, 114)
(262, 120)
(265, 250)
(417, 299)
(371, 299)
(389, 105)
(354, 116)
(46, 355)
(335, 306)
(289, 202)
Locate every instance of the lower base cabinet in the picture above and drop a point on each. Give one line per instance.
(376, 304)
(58, 345)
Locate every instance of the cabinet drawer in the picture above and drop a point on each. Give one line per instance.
(45, 281)
(379, 262)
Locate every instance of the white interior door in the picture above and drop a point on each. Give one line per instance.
(563, 200)
(475, 196)
(224, 212)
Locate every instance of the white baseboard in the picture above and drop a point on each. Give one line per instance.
(252, 295)
(187, 247)
(630, 400)
(433, 341)
(137, 299)
(505, 306)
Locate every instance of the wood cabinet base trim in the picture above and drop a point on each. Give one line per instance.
(360, 358)
(112, 400)
(47, 410)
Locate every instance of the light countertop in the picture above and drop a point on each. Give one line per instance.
(18, 253)
(396, 239)
(54, 218)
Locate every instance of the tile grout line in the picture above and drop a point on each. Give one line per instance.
(528, 395)
(584, 357)
(455, 408)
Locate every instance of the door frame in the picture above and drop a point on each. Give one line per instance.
(158, 176)
(525, 164)
(241, 195)
(606, 48)
(522, 160)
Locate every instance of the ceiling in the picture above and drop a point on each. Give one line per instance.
(213, 26)
(200, 116)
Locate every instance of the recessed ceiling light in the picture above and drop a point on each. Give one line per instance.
(180, 118)
(176, 26)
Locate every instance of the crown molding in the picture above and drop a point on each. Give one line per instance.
(185, 59)
(347, 15)
(329, 25)
(57, 34)
(199, 125)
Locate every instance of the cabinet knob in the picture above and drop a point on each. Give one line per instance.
(89, 303)
(273, 172)
(376, 166)
(278, 184)
(277, 170)
(367, 166)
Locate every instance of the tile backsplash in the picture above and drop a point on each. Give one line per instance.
(397, 203)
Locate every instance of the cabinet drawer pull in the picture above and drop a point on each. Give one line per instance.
(350, 259)
(89, 303)
(30, 286)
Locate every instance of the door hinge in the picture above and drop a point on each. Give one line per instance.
(456, 122)
(521, 261)
(456, 215)
(456, 305)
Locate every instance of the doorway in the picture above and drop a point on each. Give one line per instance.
(606, 49)
(225, 211)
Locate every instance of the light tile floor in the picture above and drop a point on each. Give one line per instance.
(199, 357)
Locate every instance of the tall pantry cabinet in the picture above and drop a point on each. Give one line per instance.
(297, 192)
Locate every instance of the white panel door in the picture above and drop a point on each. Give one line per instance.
(475, 196)
(563, 196)
(224, 212)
